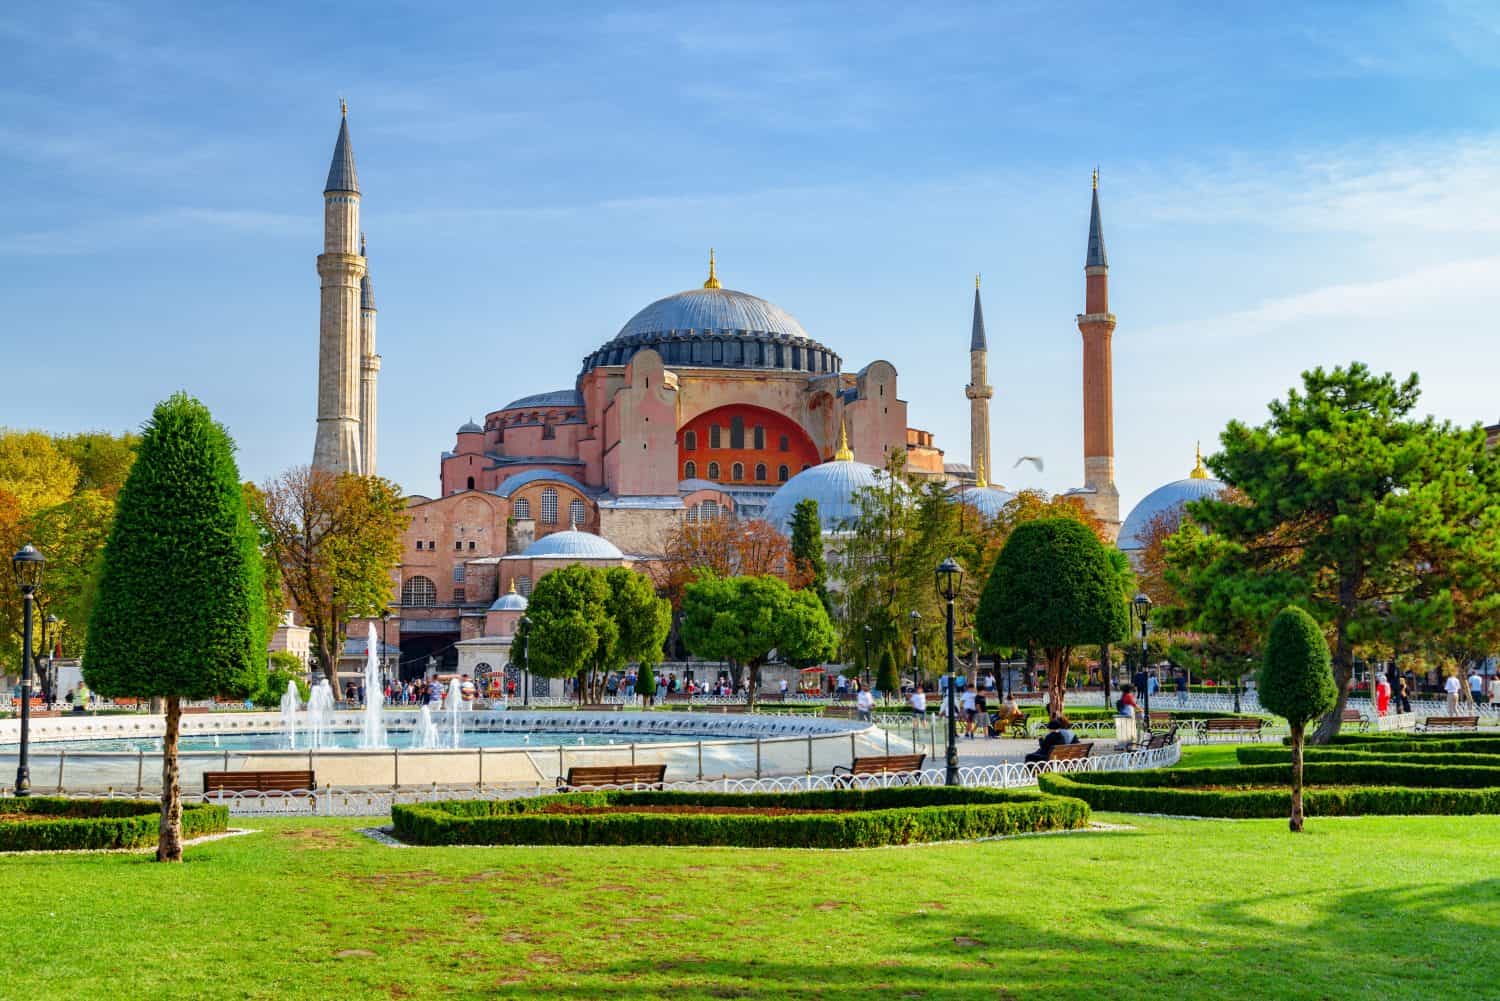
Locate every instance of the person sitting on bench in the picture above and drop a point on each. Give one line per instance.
(1059, 731)
(1009, 713)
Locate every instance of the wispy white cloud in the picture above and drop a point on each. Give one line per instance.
(178, 224)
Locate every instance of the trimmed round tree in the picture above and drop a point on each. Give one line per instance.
(1296, 681)
(181, 607)
(1053, 585)
(886, 679)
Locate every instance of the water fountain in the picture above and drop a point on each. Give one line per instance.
(291, 701)
(426, 736)
(455, 705)
(319, 712)
(372, 734)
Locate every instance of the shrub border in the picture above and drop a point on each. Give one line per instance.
(1428, 790)
(118, 823)
(872, 817)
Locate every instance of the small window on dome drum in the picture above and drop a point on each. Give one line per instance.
(760, 472)
(713, 470)
(737, 472)
(690, 470)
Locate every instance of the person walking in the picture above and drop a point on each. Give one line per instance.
(1476, 687)
(865, 703)
(918, 706)
(1495, 691)
(1452, 688)
(966, 703)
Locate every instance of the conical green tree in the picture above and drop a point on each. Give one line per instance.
(886, 679)
(807, 550)
(1296, 681)
(181, 606)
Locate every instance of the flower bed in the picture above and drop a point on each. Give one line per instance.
(45, 823)
(1335, 788)
(842, 819)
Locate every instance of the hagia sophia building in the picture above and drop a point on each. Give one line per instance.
(706, 403)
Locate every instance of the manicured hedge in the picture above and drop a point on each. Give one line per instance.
(1335, 789)
(57, 824)
(1253, 754)
(1444, 743)
(866, 818)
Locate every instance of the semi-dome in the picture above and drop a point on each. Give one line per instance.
(574, 544)
(988, 501)
(716, 327)
(1167, 497)
(832, 484)
(513, 601)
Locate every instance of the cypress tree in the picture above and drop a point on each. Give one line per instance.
(807, 550)
(181, 606)
(1296, 681)
(886, 679)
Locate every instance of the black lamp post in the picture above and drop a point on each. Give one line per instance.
(949, 577)
(525, 623)
(867, 657)
(916, 620)
(49, 666)
(27, 564)
(385, 642)
(1140, 608)
(1236, 691)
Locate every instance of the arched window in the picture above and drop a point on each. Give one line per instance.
(523, 584)
(760, 472)
(690, 441)
(521, 508)
(782, 474)
(549, 506)
(709, 510)
(578, 513)
(471, 483)
(737, 472)
(713, 470)
(690, 470)
(714, 436)
(418, 592)
(736, 432)
(760, 436)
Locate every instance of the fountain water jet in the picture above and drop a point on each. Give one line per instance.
(373, 732)
(455, 705)
(319, 711)
(291, 701)
(426, 736)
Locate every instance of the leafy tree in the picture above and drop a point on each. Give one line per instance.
(742, 620)
(641, 618)
(1382, 525)
(807, 550)
(72, 535)
(570, 622)
(886, 679)
(335, 539)
(1053, 585)
(34, 472)
(103, 459)
(286, 668)
(180, 611)
(725, 547)
(1295, 682)
(645, 683)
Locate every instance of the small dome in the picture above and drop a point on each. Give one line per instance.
(1168, 497)
(574, 544)
(988, 501)
(832, 484)
(511, 602)
(469, 427)
(556, 398)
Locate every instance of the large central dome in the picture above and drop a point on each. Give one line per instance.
(715, 327)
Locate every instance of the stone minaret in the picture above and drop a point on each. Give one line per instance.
(1097, 324)
(337, 448)
(979, 392)
(369, 367)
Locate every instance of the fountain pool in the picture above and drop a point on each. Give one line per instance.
(403, 739)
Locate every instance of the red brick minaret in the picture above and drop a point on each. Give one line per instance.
(1097, 325)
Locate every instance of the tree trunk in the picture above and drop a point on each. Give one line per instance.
(1057, 677)
(752, 686)
(1297, 776)
(1029, 675)
(169, 836)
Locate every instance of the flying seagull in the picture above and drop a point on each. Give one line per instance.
(1035, 460)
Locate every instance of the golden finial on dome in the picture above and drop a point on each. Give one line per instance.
(976, 281)
(1199, 473)
(512, 586)
(843, 454)
(1096, 178)
(343, 107)
(979, 474)
(362, 245)
(713, 274)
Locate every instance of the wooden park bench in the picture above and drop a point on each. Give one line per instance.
(1233, 726)
(1165, 721)
(1016, 726)
(1432, 723)
(298, 782)
(584, 777)
(1355, 716)
(902, 766)
(1069, 752)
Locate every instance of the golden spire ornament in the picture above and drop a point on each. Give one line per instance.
(1199, 473)
(979, 475)
(844, 454)
(713, 274)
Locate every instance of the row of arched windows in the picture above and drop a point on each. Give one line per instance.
(736, 472)
(736, 437)
(578, 511)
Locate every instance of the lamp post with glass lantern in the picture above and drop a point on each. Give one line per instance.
(916, 620)
(385, 643)
(949, 578)
(27, 564)
(49, 665)
(1140, 609)
(525, 624)
(867, 656)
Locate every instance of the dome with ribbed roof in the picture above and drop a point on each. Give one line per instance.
(510, 602)
(574, 544)
(988, 501)
(834, 485)
(1167, 497)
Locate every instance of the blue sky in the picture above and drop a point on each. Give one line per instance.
(1287, 187)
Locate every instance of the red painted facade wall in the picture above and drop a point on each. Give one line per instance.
(800, 452)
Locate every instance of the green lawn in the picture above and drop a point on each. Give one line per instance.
(1386, 908)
